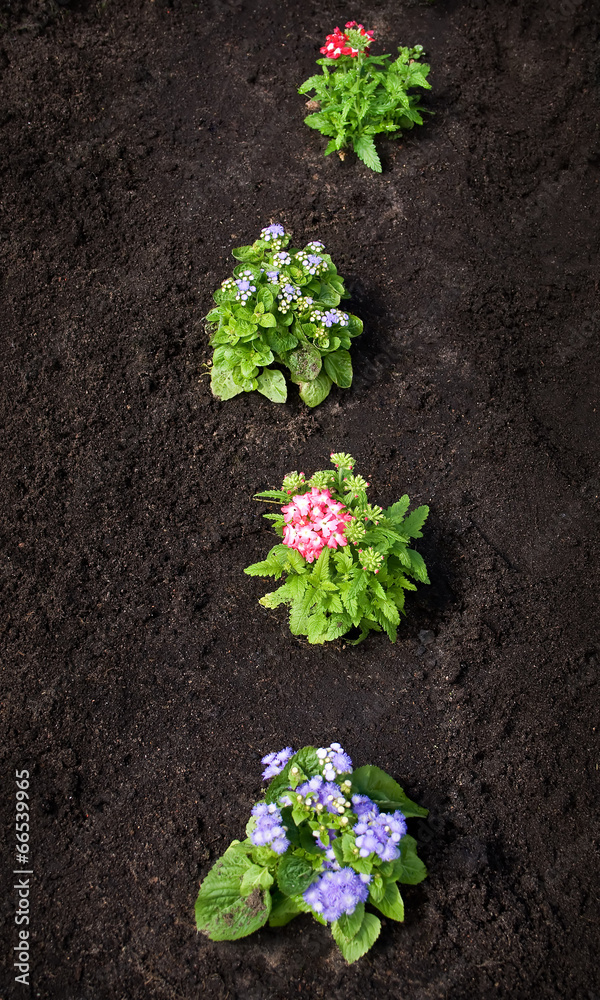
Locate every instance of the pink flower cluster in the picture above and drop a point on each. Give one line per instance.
(314, 520)
(338, 44)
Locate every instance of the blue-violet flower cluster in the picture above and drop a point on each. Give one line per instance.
(337, 892)
(269, 830)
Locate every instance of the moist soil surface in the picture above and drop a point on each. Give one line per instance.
(141, 680)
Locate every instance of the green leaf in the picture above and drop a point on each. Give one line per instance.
(266, 298)
(223, 295)
(281, 341)
(350, 923)
(414, 522)
(307, 759)
(304, 363)
(317, 631)
(364, 147)
(339, 624)
(328, 295)
(408, 868)
(417, 566)
(221, 912)
(384, 791)
(294, 875)
(338, 366)
(316, 391)
(320, 122)
(283, 910)
(376, 888)
(247, 254)
(308, 762)
(255, 877)
(271, 383)
(312, 83)
(222, 384)
(267, 319)
(390, 904)
(397, 511)
(291, 591)
(355, 325)
(365, 937)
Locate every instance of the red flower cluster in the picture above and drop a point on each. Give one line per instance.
(338, 44)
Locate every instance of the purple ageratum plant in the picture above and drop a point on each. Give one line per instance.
(254, 324)
(318, 846)
(276, 762)
(337, 892)
(269, 830)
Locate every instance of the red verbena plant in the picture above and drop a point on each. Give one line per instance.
(358, 95)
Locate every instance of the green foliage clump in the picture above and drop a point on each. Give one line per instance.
(281, 308)
(305, 834)
(359, 582)
(360, 95)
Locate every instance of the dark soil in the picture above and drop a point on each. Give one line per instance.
(142, 681)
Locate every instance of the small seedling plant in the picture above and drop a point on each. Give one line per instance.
(359, 95)
(325, 840)
(281, 308)
(347, 563)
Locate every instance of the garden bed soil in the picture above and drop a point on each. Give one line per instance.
(142, 682)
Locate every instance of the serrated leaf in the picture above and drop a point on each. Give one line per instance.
(408, 868)
(364, 147)
(350, 923)
(283, 910)
(364, 938)
(317, 628)
(390, 903)
(221, 912)
(291, 590)
(414, 522)
(321, 122)
(294, 875)
(384, 791)
(300, 610)
(397, 511)
(255, 877)
(272, 565)
(339, 623)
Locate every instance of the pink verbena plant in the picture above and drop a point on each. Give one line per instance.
(312, 521)
(347, 562)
